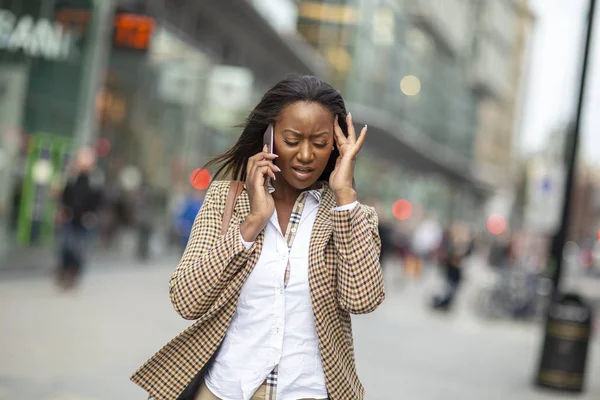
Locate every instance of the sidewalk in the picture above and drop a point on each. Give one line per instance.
(431, 356)
(23, 262)
(83, 345)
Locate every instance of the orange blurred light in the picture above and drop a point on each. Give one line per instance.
(598, 234)
(496, 224)
(102, 147)
(134, 31)
(200, 178)
(402, 209)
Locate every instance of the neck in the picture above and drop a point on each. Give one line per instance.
(284, 192)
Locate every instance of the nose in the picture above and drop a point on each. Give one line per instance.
(305, 153)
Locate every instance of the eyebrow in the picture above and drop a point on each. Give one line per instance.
(296, 133)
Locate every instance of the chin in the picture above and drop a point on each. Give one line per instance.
(300, 184)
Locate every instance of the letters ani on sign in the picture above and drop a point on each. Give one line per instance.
(35, 38)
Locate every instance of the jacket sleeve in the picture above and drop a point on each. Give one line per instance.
(360, 287)
(210, 260)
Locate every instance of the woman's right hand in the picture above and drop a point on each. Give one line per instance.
(262, 206)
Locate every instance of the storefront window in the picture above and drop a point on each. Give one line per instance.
(41, 74)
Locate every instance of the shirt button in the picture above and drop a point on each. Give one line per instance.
(293, 230)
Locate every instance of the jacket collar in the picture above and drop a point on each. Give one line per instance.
(322, 228)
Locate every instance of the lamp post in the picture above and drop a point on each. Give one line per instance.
(568, 325)
(571, 148)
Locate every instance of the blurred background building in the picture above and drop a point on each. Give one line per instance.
(157, 87)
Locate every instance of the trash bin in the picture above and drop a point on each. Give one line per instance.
(568, 330)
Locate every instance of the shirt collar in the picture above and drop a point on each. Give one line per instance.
(317, 191)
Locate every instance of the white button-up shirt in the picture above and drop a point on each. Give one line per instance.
(274, 325)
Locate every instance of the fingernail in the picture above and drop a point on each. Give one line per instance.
(265, 147)
(278, 169)
(365, 126)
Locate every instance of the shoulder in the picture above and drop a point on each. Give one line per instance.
(217, 194)
(370, 213)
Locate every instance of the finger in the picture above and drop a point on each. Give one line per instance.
(361, 138)
(267, 163)
(263, 155)
(351, 131)
(338, 133)
(266, 171)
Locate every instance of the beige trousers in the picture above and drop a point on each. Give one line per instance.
(205, 394)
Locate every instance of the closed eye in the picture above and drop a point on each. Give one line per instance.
(319, 145)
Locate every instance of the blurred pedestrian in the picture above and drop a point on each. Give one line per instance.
(144, 217)
(188, 210)
(265, 329)
(78, 214)
(387, 232)
(501, 253)
(457, 245)
(426, 240)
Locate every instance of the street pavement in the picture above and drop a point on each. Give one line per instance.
(84, 345)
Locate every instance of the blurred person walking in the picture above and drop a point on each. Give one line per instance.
(78, 214)
(501, 253)
(144, 217)
(273, 295)
(188, 210)
(457, 244)
(426, 240)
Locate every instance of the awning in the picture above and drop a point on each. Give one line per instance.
(394, 140)
(265, 50)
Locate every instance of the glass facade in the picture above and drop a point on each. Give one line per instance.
(165, 103)
(41, 76)
(388, 60)
(172, 85)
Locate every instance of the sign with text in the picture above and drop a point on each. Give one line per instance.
(131, 30)
(33, 37)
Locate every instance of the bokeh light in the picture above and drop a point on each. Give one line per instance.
(200, 178)
(102, 147)
(402, 209)
(410, 85)
(496, 224)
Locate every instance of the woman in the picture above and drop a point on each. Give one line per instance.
(272, 297)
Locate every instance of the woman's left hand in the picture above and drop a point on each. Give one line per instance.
(341, 178)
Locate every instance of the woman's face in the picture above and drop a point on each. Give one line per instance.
(303, 141)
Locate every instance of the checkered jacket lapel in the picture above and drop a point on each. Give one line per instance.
(344, 276)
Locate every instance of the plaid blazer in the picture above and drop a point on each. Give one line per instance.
(345, 278)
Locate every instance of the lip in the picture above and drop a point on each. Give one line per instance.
(302, 173)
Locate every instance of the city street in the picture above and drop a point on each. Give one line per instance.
(84, 345)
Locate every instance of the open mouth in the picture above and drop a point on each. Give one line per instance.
(302, 172)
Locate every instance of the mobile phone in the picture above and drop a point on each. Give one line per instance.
(268, 141)
(268, 138)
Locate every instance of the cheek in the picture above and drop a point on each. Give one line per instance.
(284, 156)
(324, 156)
